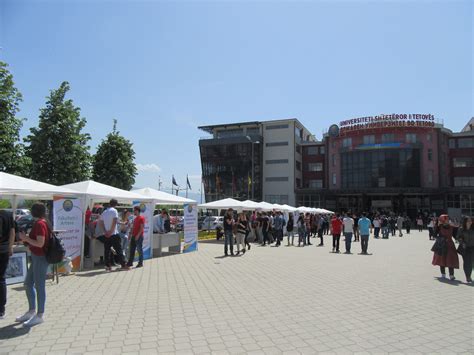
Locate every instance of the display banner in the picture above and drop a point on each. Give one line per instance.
(146, 210)
(190, 228)
(68, 218)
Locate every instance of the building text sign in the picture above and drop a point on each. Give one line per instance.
(414, 120)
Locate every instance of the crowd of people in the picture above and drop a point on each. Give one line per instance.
(267, 228)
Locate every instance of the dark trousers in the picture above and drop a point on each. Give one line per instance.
(364, 243)
(246, 240)
(320, 236)
(467, 257)
(308, 236)
(229, 241)
(3, 285)
(431, 232)
(335, 241)
(116, 242)
(376, 232)
(348, 240)
(278, 236)
(136, 245)
(443, 270)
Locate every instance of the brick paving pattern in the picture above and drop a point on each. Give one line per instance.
(269, 301)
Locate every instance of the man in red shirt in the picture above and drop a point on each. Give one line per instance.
(136, 238)
(336, 230)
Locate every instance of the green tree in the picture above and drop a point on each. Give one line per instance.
(12, 157)
(113, 163)
(58, 149)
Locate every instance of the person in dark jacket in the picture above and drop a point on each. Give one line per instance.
(289, 229)
(466, 241)
(449, 258)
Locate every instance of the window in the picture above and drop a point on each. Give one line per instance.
(388, 138)
(298, 149)
(230, 133)
(382, 182)
(277, 126)
(410, 137)
(369, 139)
(466, 143)
(315, 166)
(312, 150)
(452, 143)
(334, 178)
(298, 183)
(315, 184)
(298, 132)
(253, 131)
(275, 179)
(463, 162)
(428, 137)
(430, 154)
(463, 181)
(347, 142)
(276, 144)
(322, 150)
(298, 165)
(334, 160)
(276, 161)
(430, 177)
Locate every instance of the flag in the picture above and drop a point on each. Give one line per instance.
(249, 180)
(174, 181)
(187, 182)
(218, 182)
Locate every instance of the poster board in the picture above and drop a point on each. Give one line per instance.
(68, 217)
(146, 210)
(16, 268)
(190, 228)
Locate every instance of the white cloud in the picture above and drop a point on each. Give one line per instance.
(148, 168)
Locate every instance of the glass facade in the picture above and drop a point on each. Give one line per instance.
(227, 171)
(381, 168)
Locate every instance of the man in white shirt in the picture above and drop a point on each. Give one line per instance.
(113, 242)
(158, 223)
(348, 225)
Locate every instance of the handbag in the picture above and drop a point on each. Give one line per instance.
(440, 247)
(461, 249)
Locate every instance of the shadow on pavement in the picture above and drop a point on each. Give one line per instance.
(448, 281)
(13, 331)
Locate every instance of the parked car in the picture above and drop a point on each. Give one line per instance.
(25, 223)
(211, 222)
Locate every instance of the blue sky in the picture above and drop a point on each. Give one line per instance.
(164, 67)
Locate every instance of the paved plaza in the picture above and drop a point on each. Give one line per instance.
(271, 300)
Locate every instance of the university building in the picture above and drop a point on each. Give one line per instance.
(405, 163)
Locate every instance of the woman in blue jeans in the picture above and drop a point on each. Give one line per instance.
(35, 282)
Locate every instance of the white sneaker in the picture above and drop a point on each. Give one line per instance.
(25, 317)
(33, 321)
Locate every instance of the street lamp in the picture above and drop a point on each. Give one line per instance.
(253, 166)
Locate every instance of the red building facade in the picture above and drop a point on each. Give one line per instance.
(402, 163)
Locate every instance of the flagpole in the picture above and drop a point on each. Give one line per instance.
(187, 185)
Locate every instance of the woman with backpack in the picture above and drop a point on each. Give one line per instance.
(35, 282)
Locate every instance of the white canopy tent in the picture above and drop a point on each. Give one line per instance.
(251, 205)
(265, 206)
(97, 192)
(163, 198)
(16, 186)
(224, 204)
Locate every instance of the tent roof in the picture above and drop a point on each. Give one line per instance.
(224, 204)
(163, 198)
(98, 191)
(13, 185)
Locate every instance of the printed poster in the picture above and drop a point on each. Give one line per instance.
(68, 217)
(146, 210)
(190, 228)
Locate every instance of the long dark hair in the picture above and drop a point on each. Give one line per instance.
(464, 222)
(38, 210)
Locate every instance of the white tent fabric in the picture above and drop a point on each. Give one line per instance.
(266, 206)
(251, 205)
(100, 192)
(288, 208)
(163, 198)
(224, 204)
(13, 186)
